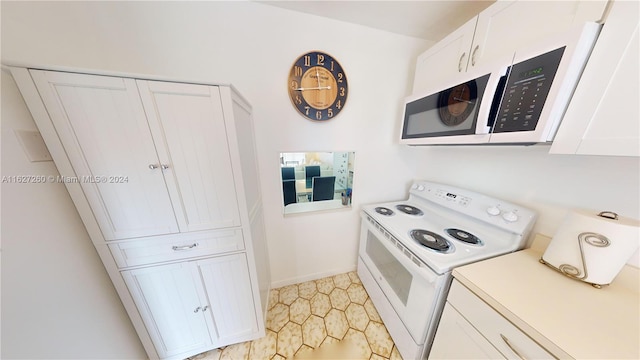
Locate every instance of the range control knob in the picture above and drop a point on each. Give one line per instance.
(493, 210)
(414, 186)
(420, 187)
(510, 216)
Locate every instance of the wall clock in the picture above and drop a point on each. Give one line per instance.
(318, 86)
(457, 103)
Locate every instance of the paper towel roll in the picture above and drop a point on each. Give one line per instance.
(593, 247)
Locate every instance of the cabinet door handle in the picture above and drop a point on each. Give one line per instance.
(153, 166)
(197, 309)
(473, 56)
(185, 247)
(506, 341)
(460, 62)
(164, 166)
(205, 308)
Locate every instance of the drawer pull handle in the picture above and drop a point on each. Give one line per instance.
(473, 56)
(506, 341)
(186, 247)
(460, 62)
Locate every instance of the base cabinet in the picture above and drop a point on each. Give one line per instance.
(195, 305)
(458, 339)
(471, 329)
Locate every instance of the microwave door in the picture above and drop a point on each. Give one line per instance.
(448, 115)
(542, 81)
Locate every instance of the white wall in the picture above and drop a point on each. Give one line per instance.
(57, 300)
(550, 184)
(253, 47)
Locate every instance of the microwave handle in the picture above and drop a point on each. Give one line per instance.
(497, 99)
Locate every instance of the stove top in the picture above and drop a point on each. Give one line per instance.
(445, 226)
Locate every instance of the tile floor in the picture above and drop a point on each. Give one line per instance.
(316, 315)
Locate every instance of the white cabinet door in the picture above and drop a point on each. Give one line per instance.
(229, 294)
(167, 299)
(189, 131)
(444, 59)
(507, 26)
(602, 118)
(456, 338)
(103, 128)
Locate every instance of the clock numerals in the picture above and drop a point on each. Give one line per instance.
(318, 86)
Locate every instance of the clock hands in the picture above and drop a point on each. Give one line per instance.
(313, 88)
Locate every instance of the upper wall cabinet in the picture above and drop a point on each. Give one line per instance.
(602, 118)
(496, 33)
(146, 160)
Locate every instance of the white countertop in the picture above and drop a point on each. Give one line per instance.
(567, 317)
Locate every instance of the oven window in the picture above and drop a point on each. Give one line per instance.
(394, 273)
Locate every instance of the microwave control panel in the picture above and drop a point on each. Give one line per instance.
(526, 91)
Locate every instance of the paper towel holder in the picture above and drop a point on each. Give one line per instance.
(591, 238)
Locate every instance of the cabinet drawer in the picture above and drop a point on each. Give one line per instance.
(507, 338)
(175, 247)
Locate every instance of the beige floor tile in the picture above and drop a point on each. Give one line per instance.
(264, 348)
(289, 339)
(277, 317)
(337, 324)
(274, 296)
(314, 331)
(357, 293)
(339, 299)
(354, 277)
(299, 311)
(325, 285)
(357, 316)
(335, 313)
(342, 281)
(359, 341)
(395, 355)
(307, 289)
(236, 352)
(209, 355)
(304, 351)
(320, 304)
(288, 294)
(379, 339)
(371, 311)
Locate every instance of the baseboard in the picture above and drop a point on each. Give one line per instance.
(315, 276)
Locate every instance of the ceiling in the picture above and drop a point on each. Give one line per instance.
(425, 19)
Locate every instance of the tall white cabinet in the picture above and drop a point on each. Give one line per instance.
(164, 176)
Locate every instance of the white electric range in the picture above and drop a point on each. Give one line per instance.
(408, 249)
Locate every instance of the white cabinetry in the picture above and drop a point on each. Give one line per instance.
(602, 118)
(168, 155)
(496, 33)
(479, 331)
(194, 305)
(164, 177)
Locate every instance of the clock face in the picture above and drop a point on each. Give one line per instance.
(317, 86)
(457, 103)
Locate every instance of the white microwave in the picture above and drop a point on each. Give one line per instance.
(520, 100)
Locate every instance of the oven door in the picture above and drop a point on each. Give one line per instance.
(412, 289)
(457, 112)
